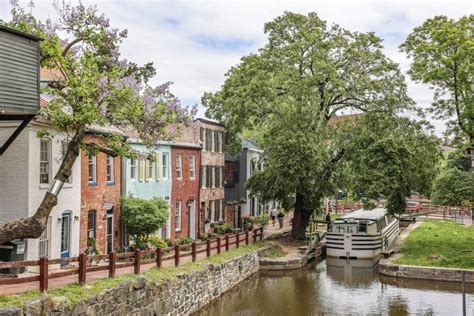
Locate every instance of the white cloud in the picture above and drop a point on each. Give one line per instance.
(168, 32)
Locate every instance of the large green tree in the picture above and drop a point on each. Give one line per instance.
(443, 57)
(94, 87)
(288, 95)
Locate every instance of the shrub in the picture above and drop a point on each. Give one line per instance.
(157, 242)
(184, 241)
(223, 229)
(204, 236)
(262, 219)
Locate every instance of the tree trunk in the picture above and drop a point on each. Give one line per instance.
(300, 218)
(33, 227)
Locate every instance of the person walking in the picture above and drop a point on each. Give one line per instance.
(328, 219)
(281, 216)
(273, 214)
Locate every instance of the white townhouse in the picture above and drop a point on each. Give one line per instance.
(27, 168)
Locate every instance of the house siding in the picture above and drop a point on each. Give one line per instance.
(185, 190)
(96, 197)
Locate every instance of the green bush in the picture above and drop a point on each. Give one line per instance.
(262, 219)
(223, 229)
(157, 242)
(204, 236)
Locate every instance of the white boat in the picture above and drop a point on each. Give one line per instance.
(361, 234)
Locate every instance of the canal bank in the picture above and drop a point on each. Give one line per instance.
(167, 291)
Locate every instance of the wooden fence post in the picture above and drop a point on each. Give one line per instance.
(82, 268)
(218, 245)
(177, 250)
(254, 235)
(158, 257)
(226, 242)
(137, 261)
(112, 260)
(246, 237)
(237, 237)
(43, 274)
(261, 233)
(208, 247)
(193, 251)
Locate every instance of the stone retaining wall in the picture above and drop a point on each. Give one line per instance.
(184, 295)
(424, 273)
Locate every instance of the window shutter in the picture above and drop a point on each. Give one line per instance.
(200, 177)
(147, 169)
(201, 136)
(208, 176)
(157, 164)
(141, 171)
(218, 177)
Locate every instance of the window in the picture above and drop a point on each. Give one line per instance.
(177, 216)
(110, 168)
(202, 184)
(164, 165)
(208, 140)
(192, 171)
(208, 176)
(43, 245)
(133, 168)
(91, 223)
(216, 141)
(92, 168)
(45, 167)
(219, 141)
(212, 210)
(252, 206)
(218, 176)
(179, 169)
(150, 164)
(213, 176)
(64, 145)
(253, 166)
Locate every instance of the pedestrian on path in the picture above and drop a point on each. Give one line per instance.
(281, 217)
(273, 214)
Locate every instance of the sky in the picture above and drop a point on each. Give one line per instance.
(194, 43)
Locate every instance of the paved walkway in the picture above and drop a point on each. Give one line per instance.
(97, 275)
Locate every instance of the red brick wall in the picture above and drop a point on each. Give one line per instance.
(94, 198)
(184, 190)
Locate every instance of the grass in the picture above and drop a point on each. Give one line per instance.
(74, 293)
(441, 244)
(274, 251)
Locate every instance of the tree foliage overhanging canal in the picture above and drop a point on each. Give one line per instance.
(288, 96)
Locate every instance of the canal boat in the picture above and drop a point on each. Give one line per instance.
(361, 234)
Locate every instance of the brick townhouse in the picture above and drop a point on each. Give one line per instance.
(101, 180)
(210, 136)
(185, 160)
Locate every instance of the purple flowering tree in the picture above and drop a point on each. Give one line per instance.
(94, 87)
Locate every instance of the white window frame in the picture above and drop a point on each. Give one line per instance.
(192, 167)
(92, 161)
(45, 165)
(164, 165)
(110, 165)
(177, 216)
(133, 169)
(64, 145)
(44, 244)
(179, 167)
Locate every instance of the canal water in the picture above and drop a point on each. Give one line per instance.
(335, 287)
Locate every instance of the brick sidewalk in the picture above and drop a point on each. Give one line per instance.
(97, 275)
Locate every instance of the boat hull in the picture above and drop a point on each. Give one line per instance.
(360, 246)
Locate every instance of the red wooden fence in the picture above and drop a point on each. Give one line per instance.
(126, 259)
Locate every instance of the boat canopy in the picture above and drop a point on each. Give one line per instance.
(373, 214)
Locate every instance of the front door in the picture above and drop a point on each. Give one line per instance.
(65, 236)
(110, 235)
(192, 219)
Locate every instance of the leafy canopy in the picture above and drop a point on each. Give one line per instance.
(443, 57)
(143, 217)
(94, 85)
(288, 96)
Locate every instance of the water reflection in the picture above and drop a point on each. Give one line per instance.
(336, 286)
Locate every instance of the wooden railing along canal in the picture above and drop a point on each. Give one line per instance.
(136, 259)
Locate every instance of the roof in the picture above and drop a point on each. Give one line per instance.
(343, 118)
(209, 121)
(20, 33)
(48, 75)
(250, 144)
(373, 214)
